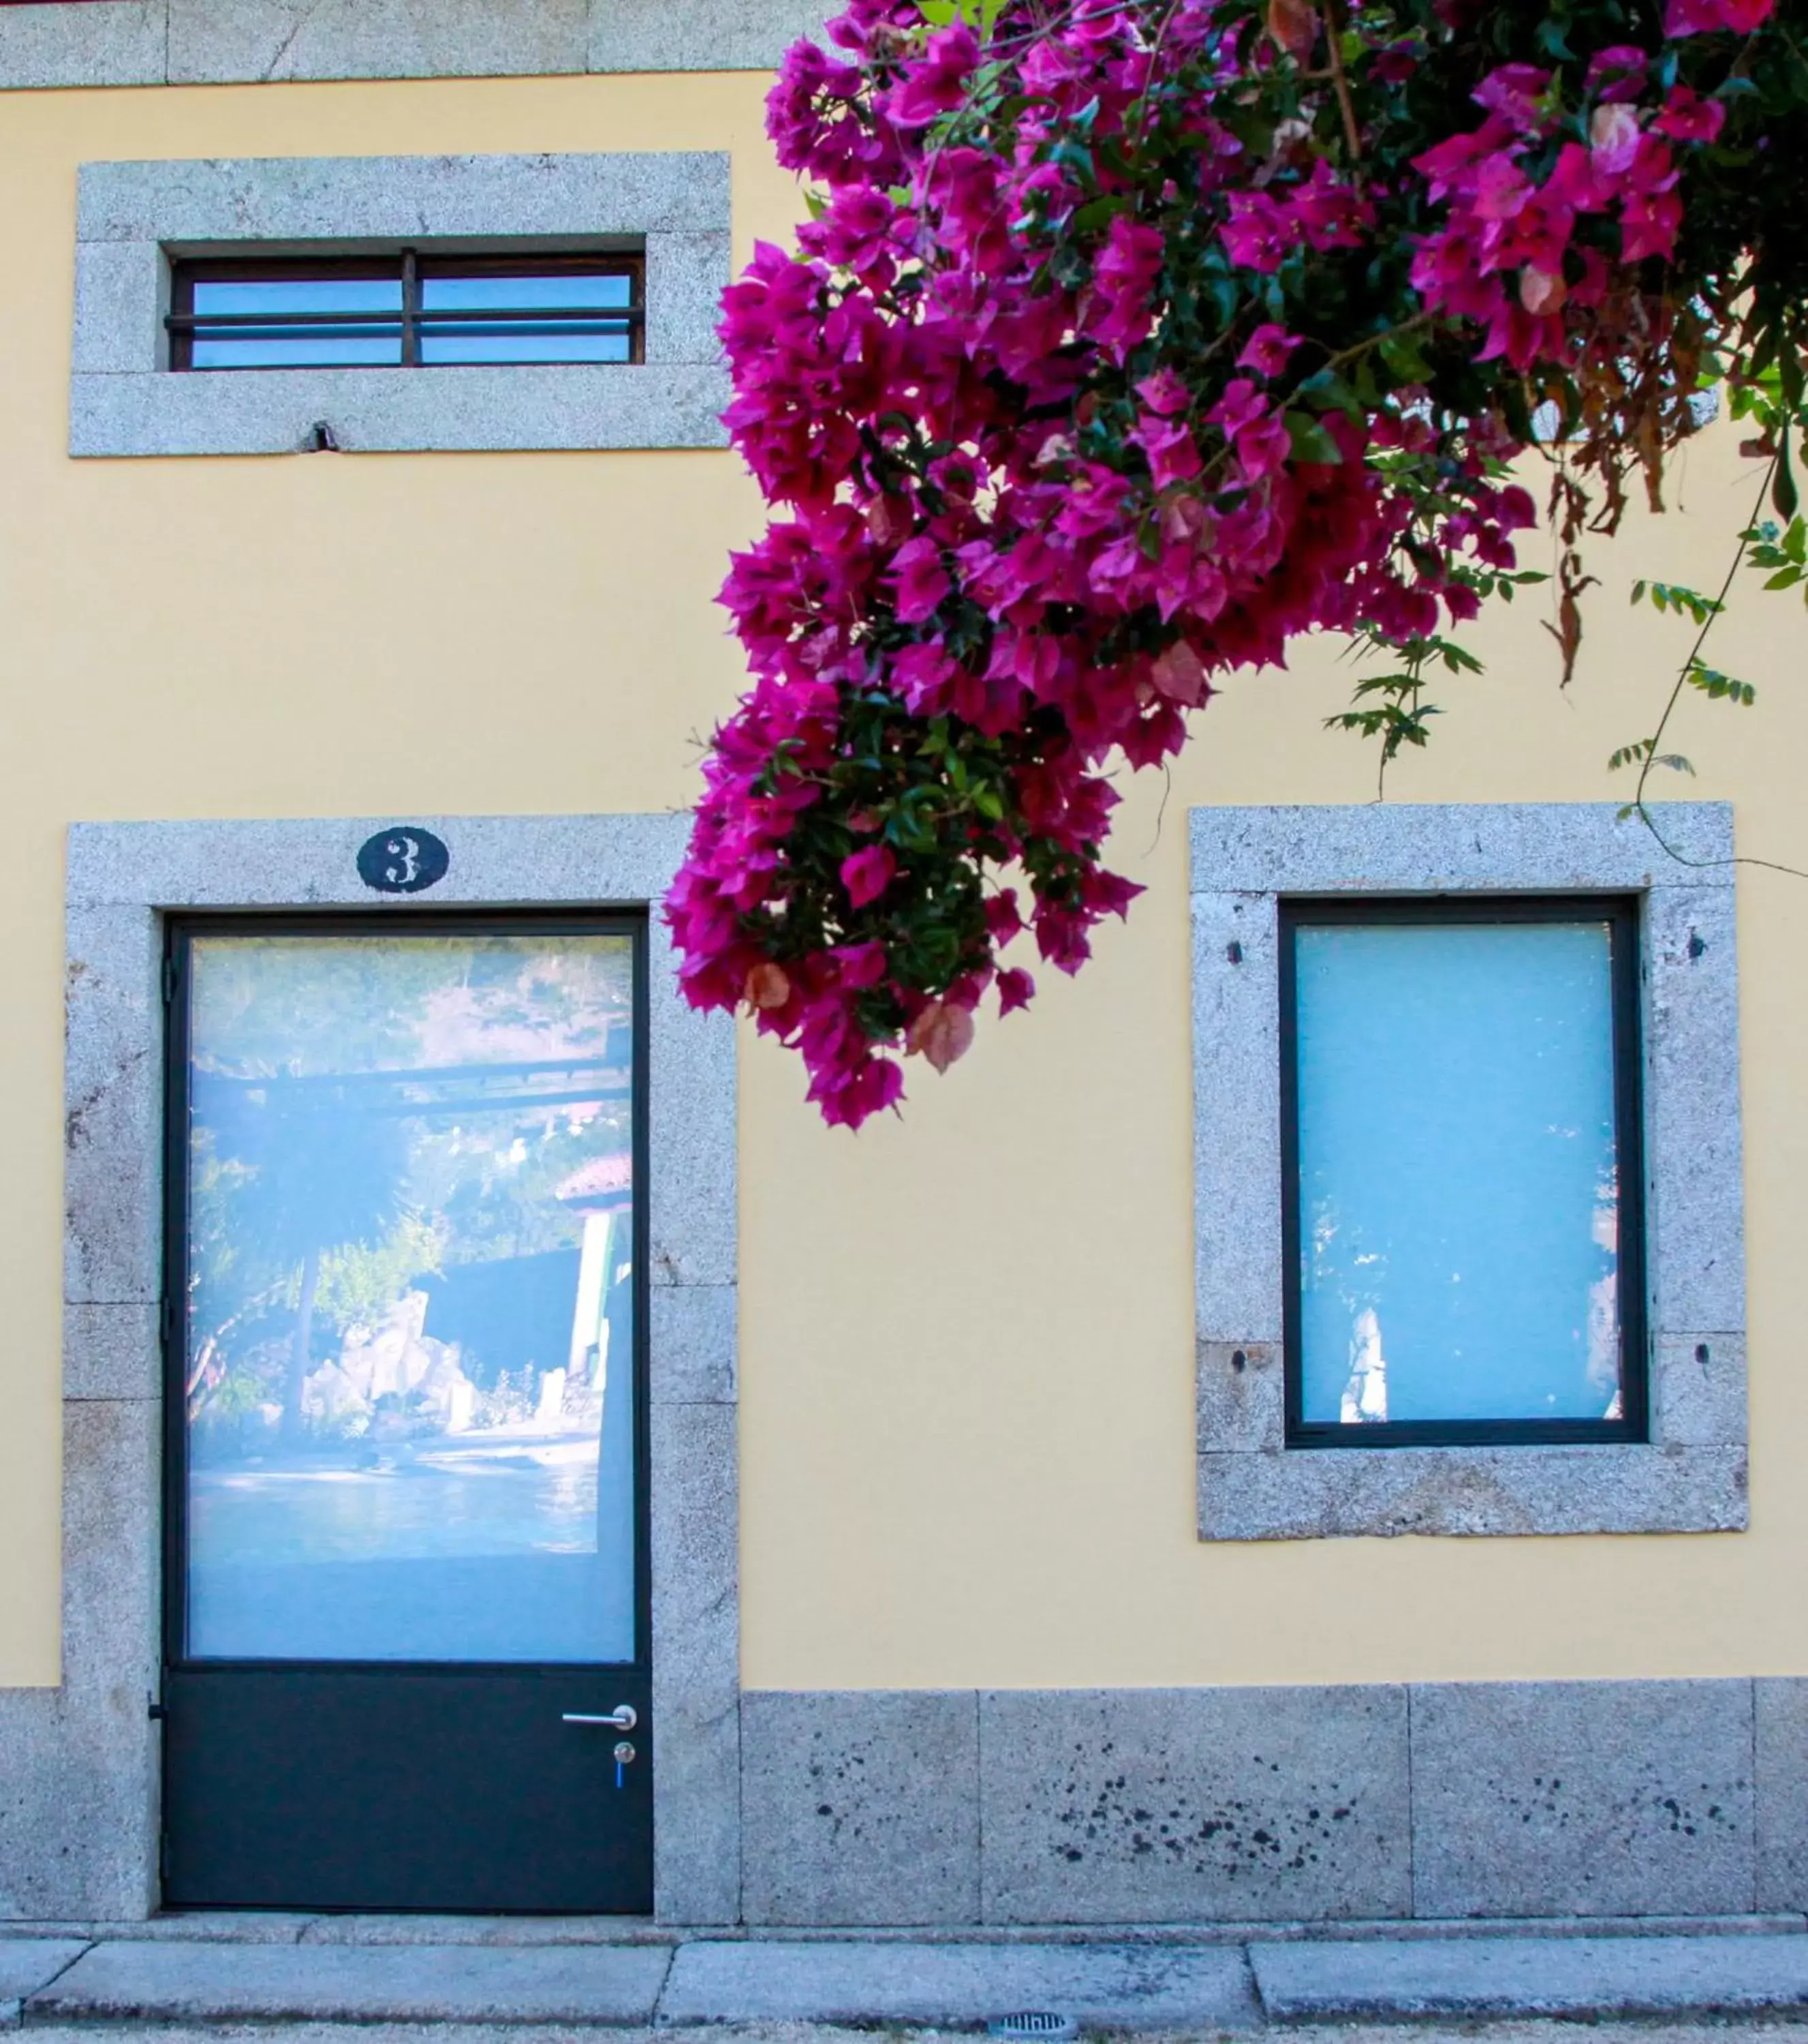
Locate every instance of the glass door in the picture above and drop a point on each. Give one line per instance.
(406, 1591)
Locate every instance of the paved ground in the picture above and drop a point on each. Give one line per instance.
(812, 2033)
(169, 1986)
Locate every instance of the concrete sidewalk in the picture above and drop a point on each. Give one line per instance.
(519, 1982)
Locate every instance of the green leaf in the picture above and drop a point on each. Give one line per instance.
(1677, 597)
(1328, 392)
(1310, 441)
(1550, 36)
(1517, 411)
(1782, 490)
(1097, 213)
(1401, 353)
(1718, 687)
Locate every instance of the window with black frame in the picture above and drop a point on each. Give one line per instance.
(1462, 1169)
(407, 310)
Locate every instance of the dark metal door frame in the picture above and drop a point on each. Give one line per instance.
(178, 1670)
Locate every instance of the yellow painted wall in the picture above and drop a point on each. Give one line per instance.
(967, 1416)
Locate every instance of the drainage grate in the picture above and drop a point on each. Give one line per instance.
(1032, 2023)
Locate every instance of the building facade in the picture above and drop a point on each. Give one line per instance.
(984, 1548)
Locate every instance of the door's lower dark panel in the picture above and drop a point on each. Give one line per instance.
(405, 1788)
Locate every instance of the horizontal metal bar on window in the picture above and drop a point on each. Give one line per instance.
(525, 319)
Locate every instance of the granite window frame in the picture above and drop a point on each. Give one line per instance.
(1689, 1475)
(133, 219)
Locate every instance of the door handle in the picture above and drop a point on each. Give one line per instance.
(623, 1718)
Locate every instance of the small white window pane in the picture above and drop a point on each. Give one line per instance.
(552, 342)
(1458, 1188)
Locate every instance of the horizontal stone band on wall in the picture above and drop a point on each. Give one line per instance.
(236, 42)
(131, 217)
(1692, 1475)
(1432, 1800)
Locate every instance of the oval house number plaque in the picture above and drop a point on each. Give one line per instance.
(402, 861)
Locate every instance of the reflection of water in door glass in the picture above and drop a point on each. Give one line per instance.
(410, 1368)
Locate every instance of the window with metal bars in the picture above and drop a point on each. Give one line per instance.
(408, 310)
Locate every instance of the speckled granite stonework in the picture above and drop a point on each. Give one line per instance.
(1692, 1475)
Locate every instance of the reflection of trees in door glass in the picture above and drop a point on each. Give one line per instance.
(409, 1256)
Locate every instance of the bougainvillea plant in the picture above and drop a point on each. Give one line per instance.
(1127, 341)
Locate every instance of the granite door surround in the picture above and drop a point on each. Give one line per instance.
(250, 42)
(79, 1764)
(1411, 1802)
(1690, 1475)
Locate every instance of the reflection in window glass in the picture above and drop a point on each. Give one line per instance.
(272, 344)
(1459, 1208)
(410, 1377)
(585, 333)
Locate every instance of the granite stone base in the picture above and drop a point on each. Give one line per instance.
(1440, 1801)
(1164, 1805)
(1576, 1805)
(1604, 1799)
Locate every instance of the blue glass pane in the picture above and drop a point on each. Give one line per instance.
(410, 1378)
(553, 342)
(300, 294)
(1458, 1192)
(259, 350)
(510, 294)
(439, 350)
(275, 345)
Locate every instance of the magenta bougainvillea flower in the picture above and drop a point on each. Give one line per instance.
(1126, 344)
